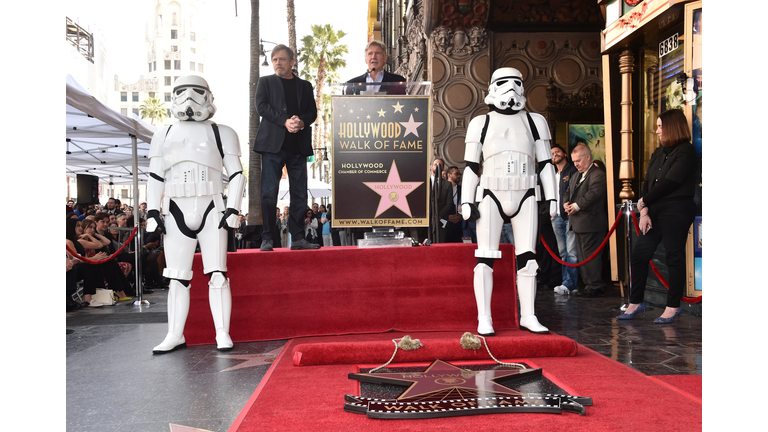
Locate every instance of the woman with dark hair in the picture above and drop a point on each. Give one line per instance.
(94, 275)
(667, 211)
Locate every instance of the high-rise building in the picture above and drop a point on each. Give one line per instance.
(175, 39)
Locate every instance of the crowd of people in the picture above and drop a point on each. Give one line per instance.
(96, 233)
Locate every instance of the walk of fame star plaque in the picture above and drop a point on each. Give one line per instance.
(380, 162)
(445, 390)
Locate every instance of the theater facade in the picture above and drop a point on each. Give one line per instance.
(600, 71)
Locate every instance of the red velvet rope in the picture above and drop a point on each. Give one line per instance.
(591, 257)
(613, 228)
(658, 273)
(107, 259)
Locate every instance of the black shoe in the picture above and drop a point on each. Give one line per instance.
(266, 245)
(303, 244)
(590, 293)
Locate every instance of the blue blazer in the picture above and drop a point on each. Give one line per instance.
(270, 104)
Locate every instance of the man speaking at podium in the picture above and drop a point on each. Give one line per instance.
(376, 59)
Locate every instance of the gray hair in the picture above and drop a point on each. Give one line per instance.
(378, 43)
(582, 149)
(282, 47)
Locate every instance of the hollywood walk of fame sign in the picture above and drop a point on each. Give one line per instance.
(444, 390)
(380, 160)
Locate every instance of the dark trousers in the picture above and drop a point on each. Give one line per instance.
(670, 226)
(271, 171)
(591, 272)
(551, 273)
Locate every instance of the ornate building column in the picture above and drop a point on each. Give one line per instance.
(626, 167)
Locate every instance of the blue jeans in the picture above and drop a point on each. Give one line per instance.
(566, 246)
(271, 171)
(507, 237)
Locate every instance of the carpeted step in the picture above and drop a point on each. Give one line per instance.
(507, 344)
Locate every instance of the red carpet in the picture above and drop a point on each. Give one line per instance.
(286, 294)
(445, 346)
(311, 398)
(690, 384)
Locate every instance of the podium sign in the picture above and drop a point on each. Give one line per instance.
(380, 160)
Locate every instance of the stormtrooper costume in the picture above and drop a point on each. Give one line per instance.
(187, 161)
(509, 140)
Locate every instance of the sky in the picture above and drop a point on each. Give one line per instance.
(227, 42)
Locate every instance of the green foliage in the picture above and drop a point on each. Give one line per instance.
(154, 109)
(322, 48)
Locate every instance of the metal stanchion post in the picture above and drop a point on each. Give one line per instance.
(137, 223)
(628, 216)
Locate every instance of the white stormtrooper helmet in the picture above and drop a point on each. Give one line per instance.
(506, 89)
(192, 99)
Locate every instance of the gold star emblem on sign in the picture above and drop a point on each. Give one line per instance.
(381, 112)
(398, 107)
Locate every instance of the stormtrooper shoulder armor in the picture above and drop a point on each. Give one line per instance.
(230, 144)
(541, 126)
(156, 146)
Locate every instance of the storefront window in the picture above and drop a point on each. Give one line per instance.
(663, 80)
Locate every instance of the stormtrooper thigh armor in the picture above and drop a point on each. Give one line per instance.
(524, 226)
(194, 215)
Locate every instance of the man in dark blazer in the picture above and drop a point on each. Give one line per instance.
(584, 201)
(450, 206)
(376, 59)
(287, 107)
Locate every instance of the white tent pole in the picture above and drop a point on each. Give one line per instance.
(137, 222)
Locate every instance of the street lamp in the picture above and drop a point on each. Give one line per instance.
(262, 52)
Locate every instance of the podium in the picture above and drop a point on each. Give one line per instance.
(381, 143)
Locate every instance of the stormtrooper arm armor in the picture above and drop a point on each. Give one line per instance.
(234, 168)
(544, 157)
(156, 181)
(473, 151)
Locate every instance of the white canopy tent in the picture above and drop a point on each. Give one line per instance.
(109, 145)
(100, 141)
(315, 189)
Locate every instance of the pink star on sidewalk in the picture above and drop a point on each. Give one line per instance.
(393, 192)
(252, 359)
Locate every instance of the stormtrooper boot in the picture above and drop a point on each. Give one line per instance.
(483, 283)
(178, 309)
(526, 293)
(220, 300)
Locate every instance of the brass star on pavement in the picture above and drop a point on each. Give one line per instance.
(252, 359)
(398, 107)
(442, 380)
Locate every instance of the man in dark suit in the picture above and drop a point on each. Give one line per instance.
(287, 108)
(584, 201)
(376, 59)
(438, 193)
(451, 205)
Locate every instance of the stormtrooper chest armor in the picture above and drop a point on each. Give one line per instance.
(508, 151)
(192, 161)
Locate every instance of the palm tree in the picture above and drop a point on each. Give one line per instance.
(292, 29)
(154, 109)
(322, 55)
(254, 159)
